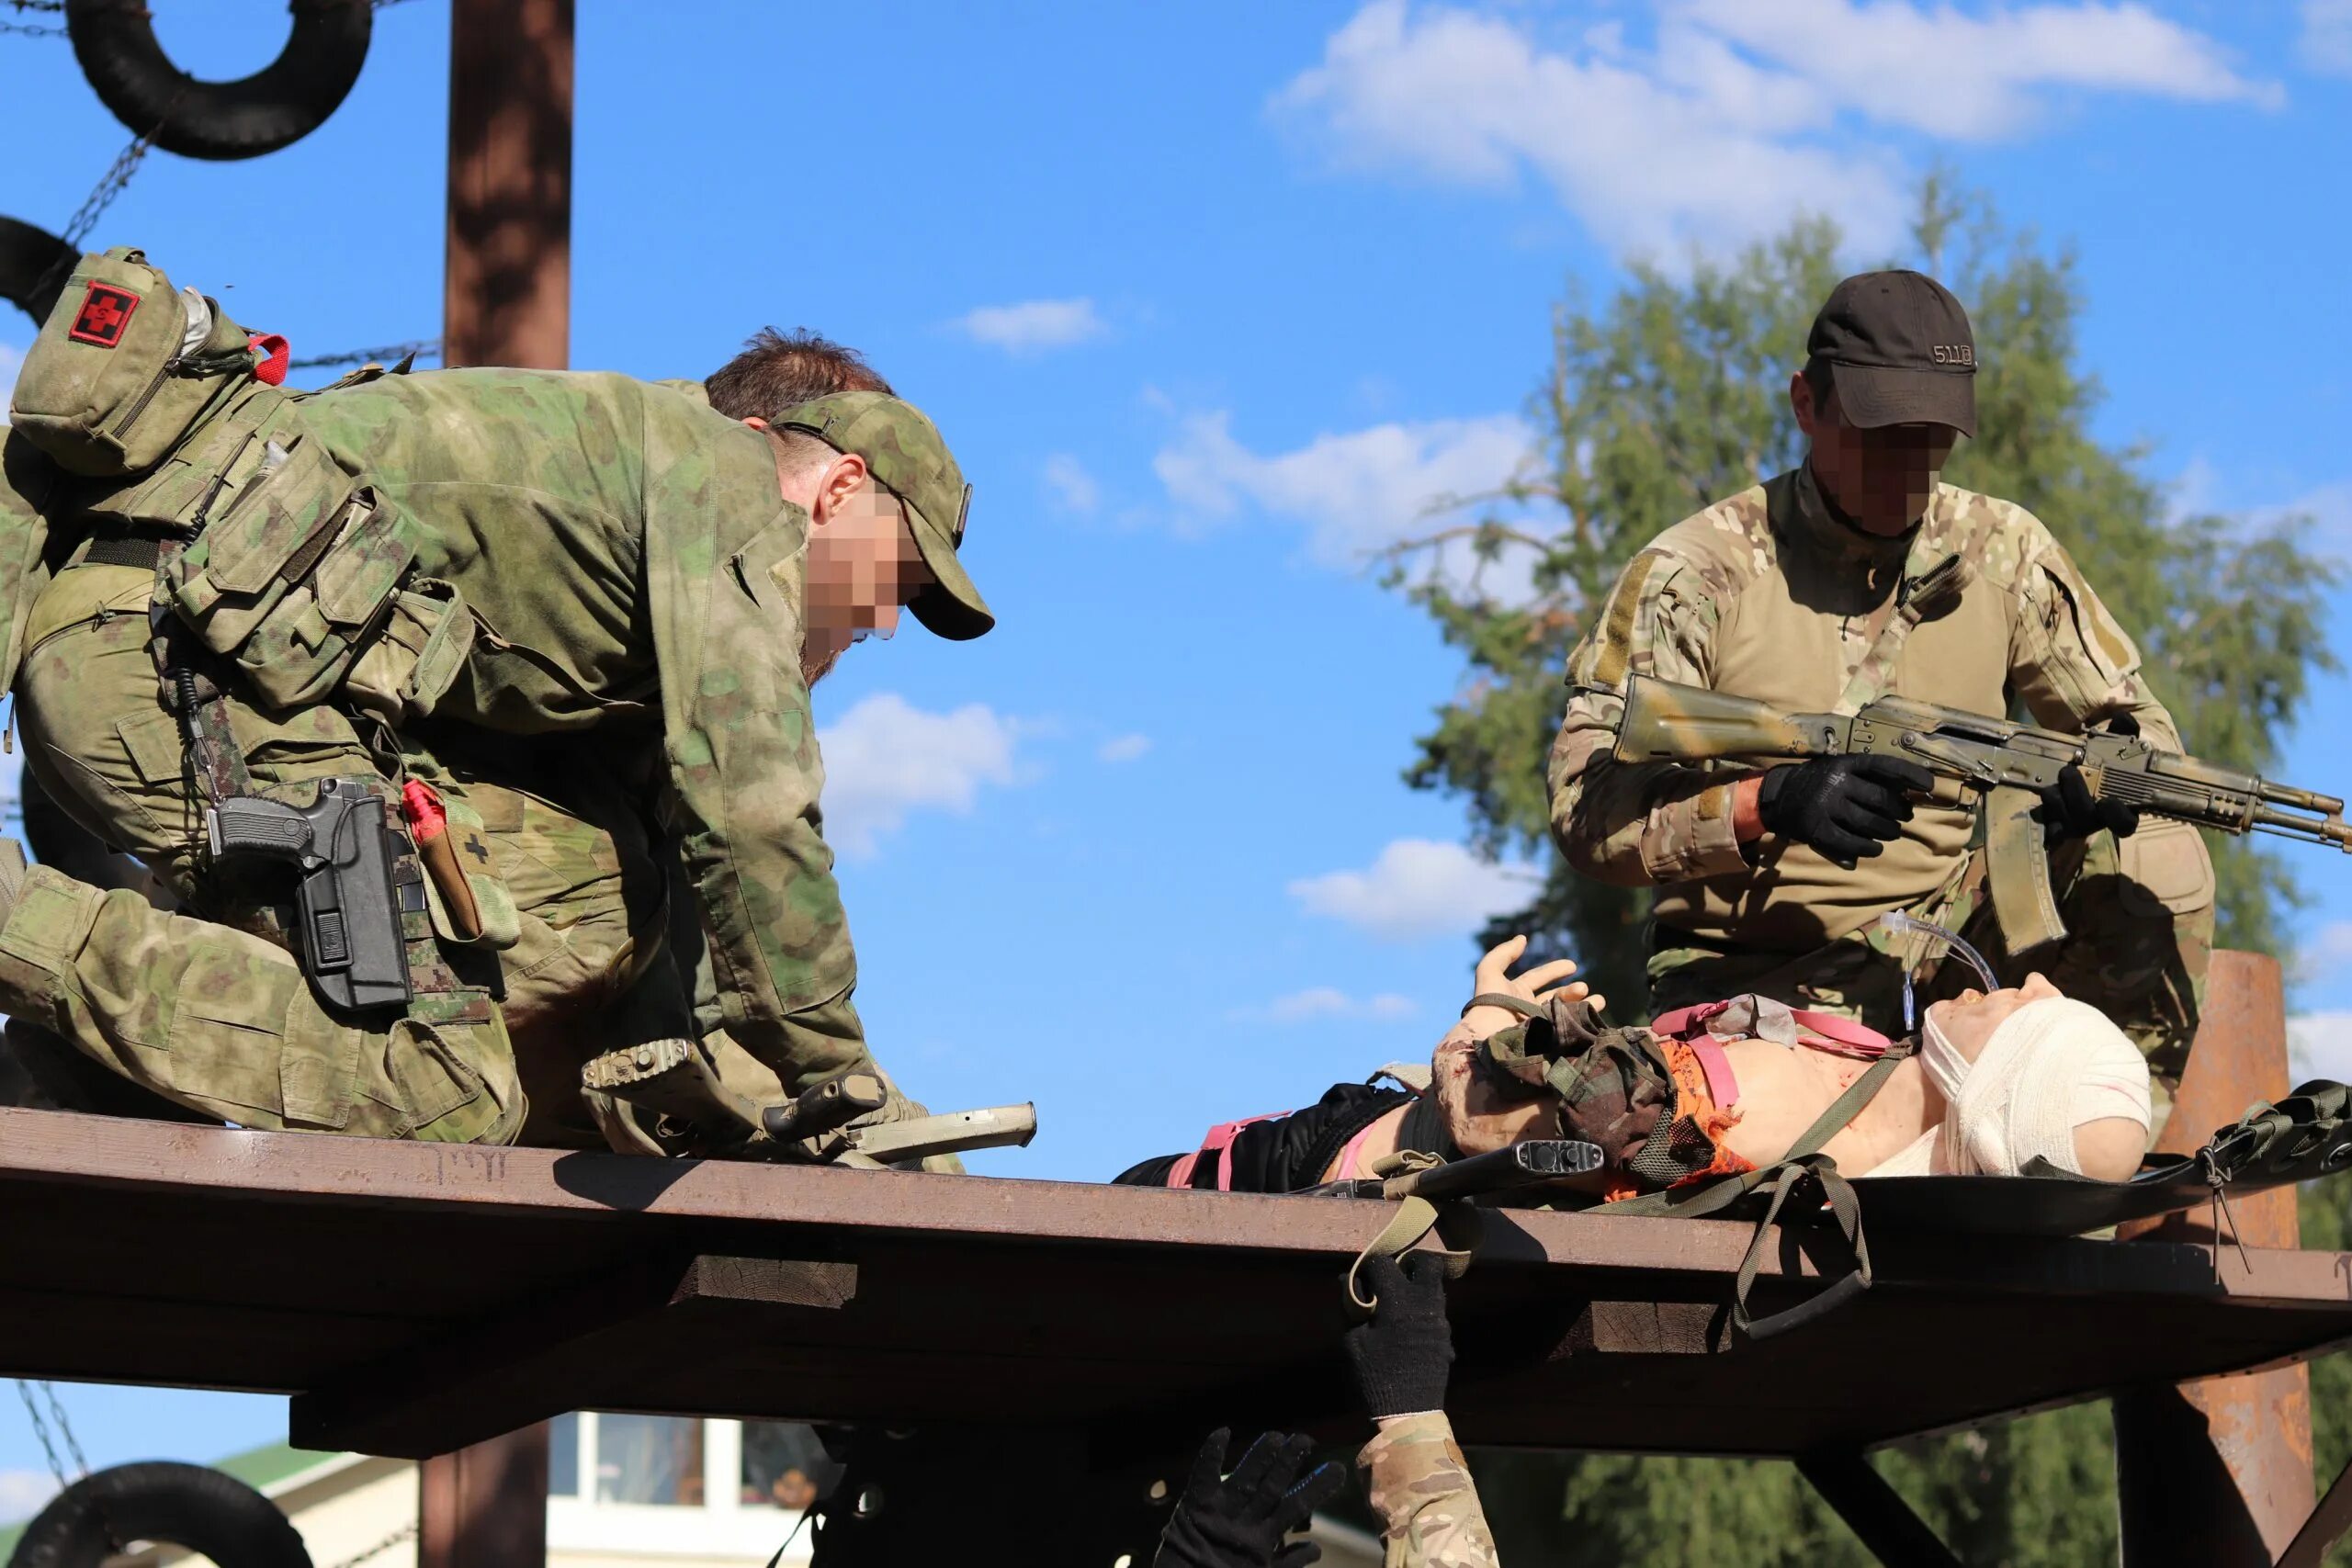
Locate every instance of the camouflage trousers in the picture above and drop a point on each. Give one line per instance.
(2139, 917)
(590, 969)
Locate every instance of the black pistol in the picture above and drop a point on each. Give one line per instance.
(352, 947)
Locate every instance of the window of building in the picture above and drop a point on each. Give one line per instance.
(783, 1465)
(563, 1457)
(661, 1486)
(650, 1459)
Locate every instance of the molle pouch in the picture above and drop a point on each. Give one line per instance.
(294, 570)
(124, 367)
(471, 903)
(410, 660)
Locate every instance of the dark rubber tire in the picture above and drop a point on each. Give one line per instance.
(276, 107)
(34, 265)
(157, 1500)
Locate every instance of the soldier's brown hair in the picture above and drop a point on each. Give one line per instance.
(778, 370)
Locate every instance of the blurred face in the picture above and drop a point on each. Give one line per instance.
(1882, 479)
(1969, 1020)
(863, 564)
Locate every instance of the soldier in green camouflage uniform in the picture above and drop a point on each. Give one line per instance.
(1909, 587)
(641, 595)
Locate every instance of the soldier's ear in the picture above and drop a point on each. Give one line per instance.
(1801, 402)
(840, 480)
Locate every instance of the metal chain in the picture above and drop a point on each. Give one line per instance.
(110, 185)
(388, 354)
(26, 30)
(64, 1428)
(407, 1531)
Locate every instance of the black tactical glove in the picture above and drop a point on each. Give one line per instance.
(2070, 810)
(1844, 807)
(1401, 1355)
(1239, 1522)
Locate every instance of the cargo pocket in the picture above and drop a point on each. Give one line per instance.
(441, 1092)
(2165, 869)
(152, 741)
(248, 1041)
(407, 664)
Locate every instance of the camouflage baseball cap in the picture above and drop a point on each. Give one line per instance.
(904, 450)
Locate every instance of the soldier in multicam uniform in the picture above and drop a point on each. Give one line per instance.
(1414, 1471)
(1855, 576)
(642, 570)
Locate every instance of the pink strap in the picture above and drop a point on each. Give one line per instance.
(1348, 1171)
(1220, 1138)
(1858, 1039)
(1723, 1085)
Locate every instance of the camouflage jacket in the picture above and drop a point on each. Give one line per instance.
(1421, 1489)
(1767, 595)
(633, 568)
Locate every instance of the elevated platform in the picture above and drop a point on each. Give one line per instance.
(416, 1298)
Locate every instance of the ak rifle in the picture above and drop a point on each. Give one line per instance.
(2012, 765)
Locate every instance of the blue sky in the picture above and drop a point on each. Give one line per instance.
(1210, 299)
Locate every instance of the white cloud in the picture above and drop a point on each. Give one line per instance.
(1072, 486)
(1418, 887)
(1740, 113)
(2319, 1045)
(23, 1493)
(2326, 41)
(1123, 748)
(1329, 1002)
(1977, 78)
(11, 360)
(1034, 325)
(1356, 491)
(887, 759)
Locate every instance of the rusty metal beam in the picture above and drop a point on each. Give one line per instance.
(2325, 1528)
(1090, 1307)
(1874, 1511)
(507, 288)
(2218, 1471)
(507, 300)
(486, 1506)
(480, 1379)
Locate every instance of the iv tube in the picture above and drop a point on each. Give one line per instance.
(1898, 924)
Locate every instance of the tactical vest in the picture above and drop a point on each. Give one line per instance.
(187, 454)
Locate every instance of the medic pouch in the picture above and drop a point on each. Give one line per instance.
(293, 568)
(124, 367)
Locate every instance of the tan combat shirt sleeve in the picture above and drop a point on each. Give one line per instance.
(1420, 1487)
(27, 478)
(1639, 824)
(2068, 659)
(724, 557)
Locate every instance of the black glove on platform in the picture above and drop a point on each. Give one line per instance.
(1239, 1521)
(1401, 1355)
(1844, 807)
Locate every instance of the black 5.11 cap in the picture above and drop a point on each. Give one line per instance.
(1899, 352)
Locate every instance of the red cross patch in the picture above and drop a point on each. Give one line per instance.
(106, 312)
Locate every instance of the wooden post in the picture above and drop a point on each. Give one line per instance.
(507, 295)
(506, 300)
(485, 1506)
(2219, 1472)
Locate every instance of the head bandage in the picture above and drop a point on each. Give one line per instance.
(2052, 1065)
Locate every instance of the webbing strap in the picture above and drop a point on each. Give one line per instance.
(1803, 1167)
(1795, 1177)
(1458, 1226)
(1504, 1000)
